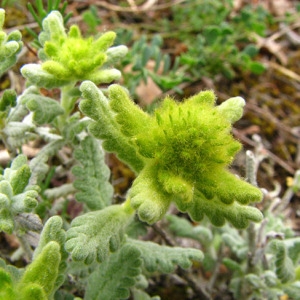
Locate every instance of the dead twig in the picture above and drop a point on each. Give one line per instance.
(271, 155)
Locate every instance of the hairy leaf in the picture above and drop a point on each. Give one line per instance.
(38, 168)
(92, 176)
(93, 235)
(16, 194)
(218, 212)
(61, 191)
(184, 155)
(6, 287)
(141, 295)
(53, 231)
(37, 76)
(285, 270)
(45, 109)
(10, 46)
(95, 105)
(293, 290)
(42, 272)
(183, 228)
(14, 272)
(163, 258)
(114, 277)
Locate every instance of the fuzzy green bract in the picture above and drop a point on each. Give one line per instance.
(185, 150)
(68, 57)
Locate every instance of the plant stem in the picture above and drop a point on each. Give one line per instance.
(66, 103)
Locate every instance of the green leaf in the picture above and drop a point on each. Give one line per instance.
(8, 100)
(236, 243)
(232, 108)
(6, 287)
(105, 126)
(10, 46)
(16, 194)
(17, 130)
(218, 212)
(14, 272)
(293, 246)
(163, 258)
(148, 198)
(251, 50)
(233, 265)
(20, 179)
(37, 76)
(53, 231)
(114, 277)
(45, 109)
(211, 34)
(256, 67)
(92, 176)
(61, 191)
(293, 290)
(141, 295)
(93, 235)
(183, 228)
(114, 54)
(42, 272)
(131, 118)
(39, 168)
(75, 125)
(285, 270)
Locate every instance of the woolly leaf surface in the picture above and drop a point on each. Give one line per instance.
(218, 212)
(74, 126)
(39, 77)
(92, 176)
(285, 270)
(10, 46)
(116, 275)
(94, 235)
(130, 117)
(233, 239)
(164, 258)
(142, 295)
(17, 130)
(293, 246)
(45, 109)
(293, 290)
(53, 231)
(95, 105)
(32, 291)
(70, 57)
(43, 270)
(191, 148)
(17, 195)
(183, 228)
(6, 287)
(38, 168)
(14, 272)
(184, 149)
(62, 191)
(7, 100)
(148, 197)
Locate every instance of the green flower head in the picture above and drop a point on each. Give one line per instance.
(68, 57)
(186, 149)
